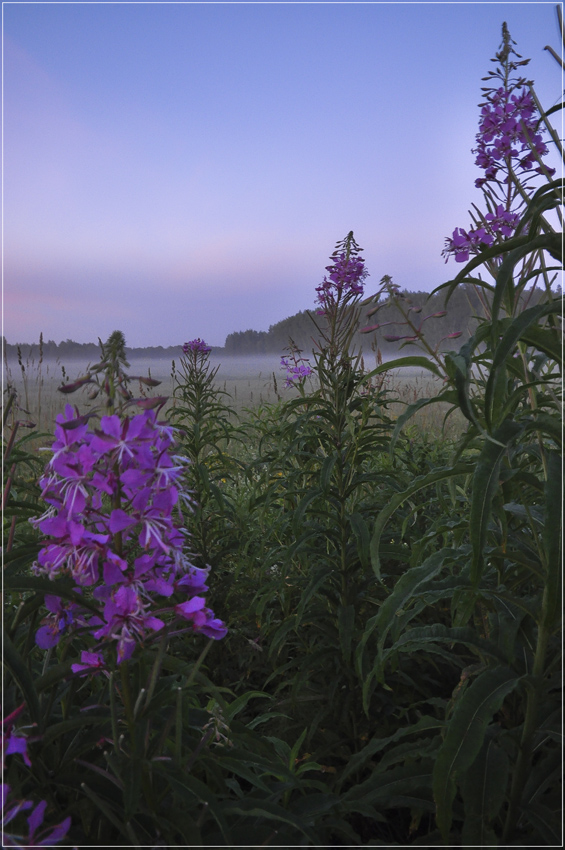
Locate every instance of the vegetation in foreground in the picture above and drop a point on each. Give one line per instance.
(325, 628)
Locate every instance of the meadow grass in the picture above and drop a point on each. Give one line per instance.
(248, 383)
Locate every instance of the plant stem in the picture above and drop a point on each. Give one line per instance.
(523, 762)
(126, 695)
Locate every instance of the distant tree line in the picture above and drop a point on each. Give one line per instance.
(461, 312)
(70, 350)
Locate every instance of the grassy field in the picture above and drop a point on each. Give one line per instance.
(248, 381)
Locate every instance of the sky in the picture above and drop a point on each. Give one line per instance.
(183, 170)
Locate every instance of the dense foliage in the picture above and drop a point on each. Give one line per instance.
(390, 670)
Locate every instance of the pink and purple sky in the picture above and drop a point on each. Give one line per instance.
(177, 170)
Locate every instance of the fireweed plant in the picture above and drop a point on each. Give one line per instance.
(510, 150)
(115, 518)
(297, 367)
(206, 428)
(315, 482)
(490, 773)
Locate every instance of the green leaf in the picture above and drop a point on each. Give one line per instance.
(513, 333)
(546, 776)
(416, 361)
(239, 767)
(485, 485)
(59, 587)
(268, 810)
(449, 397)
(14, 663)
(296, 749)
(476, 833)
(53, 675)
(465, 735)
(405, 589)
(388, 787)
(504, 279)
(106, 810)
(81, 721)
(553, 537)
(183, 784)
(233, 708)
(420, 638)
(281, 634)
(318, 579)
(440, 474)
(326, 471)
(346, 625)
(547, 823)
(362, 536)
(459, 369)
(131, 777)
(376, 745)
(545, 340)
(484, 789)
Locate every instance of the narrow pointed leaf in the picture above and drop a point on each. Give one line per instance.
(511, 336)
(465, 735)
(405, 588)
(415, 361)
(485, 485)
(346, 624)
(551, 242)
(485, 783)
(14, 663)
(357, 761)
(419, 483)
(553, 535)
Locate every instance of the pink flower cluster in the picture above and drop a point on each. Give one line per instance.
(297, 372)
(346, 276)
(507, 141)
(463, 242)
(507, 130)
(114, 522)
(196, 345)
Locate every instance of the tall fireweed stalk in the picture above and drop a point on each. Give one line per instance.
(205, 426)
(115, 525)
(495, 768)
(509, 149)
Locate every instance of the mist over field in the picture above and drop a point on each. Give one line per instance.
(249, 381)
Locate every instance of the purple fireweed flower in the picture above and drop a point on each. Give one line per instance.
(508, 144)
(12, 743)
(109, 493)
(212, 627)
(193, 581)
(90, 662)
(502, 221)
(10, 810)
(507, 130)
(127, 621)
(297, 372)
(462, 243)
(64, 615)
(188, 609)
(346, 276)
(196, 345)
(45, 838)
(127, 439)
(202, 618)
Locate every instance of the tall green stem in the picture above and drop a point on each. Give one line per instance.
(523, 762)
